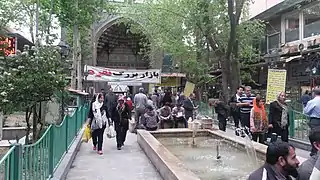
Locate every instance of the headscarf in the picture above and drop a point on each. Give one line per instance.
(96, 109)
(259, 110)
(121, 101)
(284, 115)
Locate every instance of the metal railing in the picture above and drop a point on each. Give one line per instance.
(39, 160)
(298, 128)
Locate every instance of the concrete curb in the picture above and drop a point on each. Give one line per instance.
(62, 171)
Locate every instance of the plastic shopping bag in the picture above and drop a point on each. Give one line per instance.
(87, 134)
(111, 133)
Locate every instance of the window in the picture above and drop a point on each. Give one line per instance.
(292, 28)
(311, 21)
(273, 41)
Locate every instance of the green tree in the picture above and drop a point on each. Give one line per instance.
(79, 21)
(186, 28)
(30, 78)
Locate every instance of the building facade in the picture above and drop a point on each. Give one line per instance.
(114, 46)
(292, 42)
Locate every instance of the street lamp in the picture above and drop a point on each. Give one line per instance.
(64, 52)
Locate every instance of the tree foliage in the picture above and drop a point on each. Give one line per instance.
(31, 77)
(186, 28)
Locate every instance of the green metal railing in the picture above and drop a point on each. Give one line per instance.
(299, 128)
(39, 160)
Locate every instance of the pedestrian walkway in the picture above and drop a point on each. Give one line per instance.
(128, 163)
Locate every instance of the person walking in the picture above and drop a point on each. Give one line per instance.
(98, 123)
(258, 120)
(312, 109)
(279, 117)
(246, 103)
(121, 116)
(110, 101)
(140, 102)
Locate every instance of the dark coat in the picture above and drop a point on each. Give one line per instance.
(234, 109)
(271, 174)
(222, 109)
(188, 107)
(275, 112)
(121, 116)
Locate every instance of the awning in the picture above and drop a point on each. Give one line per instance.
(291, 58)
(120, 88)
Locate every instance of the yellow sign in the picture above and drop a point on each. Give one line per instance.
(276, 83)
(189, 88)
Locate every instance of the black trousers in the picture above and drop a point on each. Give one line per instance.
(314, 122)
(236, 119)
(245, 119)
(97, 138)
(222, 122)
(169, 121)
(283, 132)
(259, 135)
(180, 119)
(121, 132)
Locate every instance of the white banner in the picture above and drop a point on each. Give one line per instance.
(122, 75)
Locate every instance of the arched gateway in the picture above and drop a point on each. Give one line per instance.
(116, 47)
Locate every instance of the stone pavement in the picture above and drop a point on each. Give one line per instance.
(128, 163)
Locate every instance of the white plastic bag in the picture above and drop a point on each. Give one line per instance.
(111, 133)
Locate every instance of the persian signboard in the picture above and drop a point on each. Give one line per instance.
(123, 75)
(276, 83)
(8, 45)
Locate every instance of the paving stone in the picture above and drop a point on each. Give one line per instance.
(128, 163)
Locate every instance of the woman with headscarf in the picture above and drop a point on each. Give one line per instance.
(121, 115)
(279, 117)
(98, 122)
(258, 120)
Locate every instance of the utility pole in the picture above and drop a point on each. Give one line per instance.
(75, 49)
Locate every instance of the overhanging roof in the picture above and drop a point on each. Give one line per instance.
(281, 8)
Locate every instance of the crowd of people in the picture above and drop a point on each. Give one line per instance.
(248, 111)
(152, 111)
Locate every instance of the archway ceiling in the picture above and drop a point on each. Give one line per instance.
(119, 35)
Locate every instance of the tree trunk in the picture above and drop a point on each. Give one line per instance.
(79, 64)
(27, 118)
(225, 72)
(75, 50)
(34, 124)
(75, 58)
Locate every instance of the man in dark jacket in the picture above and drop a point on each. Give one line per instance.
(281, 163)
(189, 106)
(223, 111)
(306, 167)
